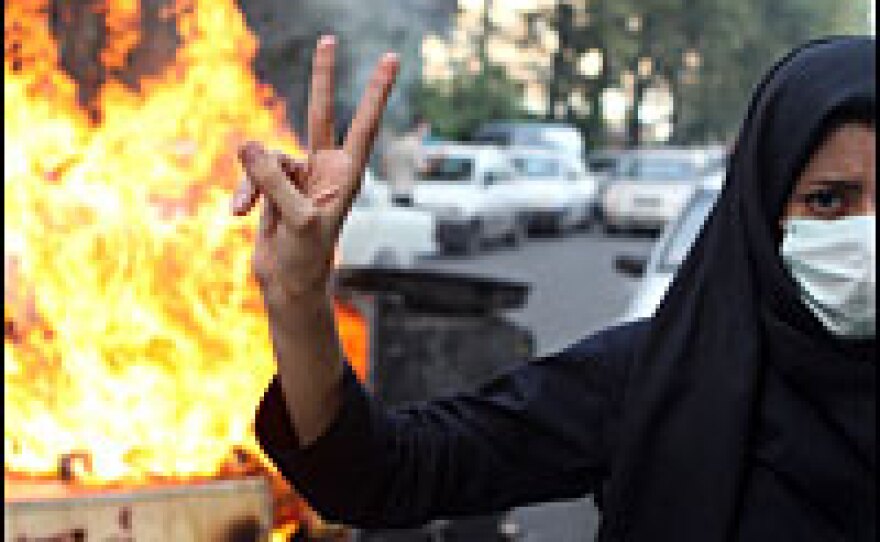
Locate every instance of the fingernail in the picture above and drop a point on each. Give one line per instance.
(391, 57)
(237, 202)
(327, 40)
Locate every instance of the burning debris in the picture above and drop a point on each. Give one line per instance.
(135, 344)
(153, 350)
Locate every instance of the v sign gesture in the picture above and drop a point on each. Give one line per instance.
(305, 203)
(304, 207)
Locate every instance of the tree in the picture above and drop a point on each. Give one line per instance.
(708, 53)
(456, 108)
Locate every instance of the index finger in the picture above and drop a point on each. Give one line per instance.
(359, 139)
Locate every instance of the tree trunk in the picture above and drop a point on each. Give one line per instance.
(634, 125)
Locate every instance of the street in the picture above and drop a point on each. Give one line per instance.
(574, 288)
(574, 292)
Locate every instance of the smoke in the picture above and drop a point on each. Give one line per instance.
(288, 30)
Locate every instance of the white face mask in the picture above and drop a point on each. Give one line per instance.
(834, 261)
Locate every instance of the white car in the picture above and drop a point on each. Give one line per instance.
(667, 255)
(379, 233)
(560, 136)
(552, 190)
(463, 186)
(650, 187)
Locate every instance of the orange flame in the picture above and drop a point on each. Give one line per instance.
(134, 330)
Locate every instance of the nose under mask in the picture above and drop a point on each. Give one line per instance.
(834, 263)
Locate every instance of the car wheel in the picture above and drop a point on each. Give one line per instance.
(518, 235)
(610, 229)
(589, 221)
(562, 225)
(473, 242)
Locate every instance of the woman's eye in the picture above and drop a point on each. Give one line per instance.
(825, 200)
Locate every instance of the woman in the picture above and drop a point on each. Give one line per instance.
(743, 409)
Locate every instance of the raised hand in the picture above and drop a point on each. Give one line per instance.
(305, 202)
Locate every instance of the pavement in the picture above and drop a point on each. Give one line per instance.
(575, 291)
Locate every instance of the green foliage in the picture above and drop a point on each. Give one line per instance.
(739, 41)
(735, 40)
(456, 108)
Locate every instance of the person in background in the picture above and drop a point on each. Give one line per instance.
(403, 160)
(743, 409)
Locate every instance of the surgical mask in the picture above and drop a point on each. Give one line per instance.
(833, 261)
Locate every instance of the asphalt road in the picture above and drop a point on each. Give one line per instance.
(574, 287)
(574, 292)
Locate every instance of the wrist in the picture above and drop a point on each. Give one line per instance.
(278, 298)
(303, 290)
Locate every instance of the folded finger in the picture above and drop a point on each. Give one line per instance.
(244, 197)
(296, 170)
(265, 172)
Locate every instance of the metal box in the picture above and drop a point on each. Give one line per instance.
(221, 511)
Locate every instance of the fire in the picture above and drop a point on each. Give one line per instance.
(134, 330)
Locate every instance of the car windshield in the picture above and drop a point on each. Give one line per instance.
(447, 168)
(563, 138)
(535, 166)
(657, 168)
(678, 243)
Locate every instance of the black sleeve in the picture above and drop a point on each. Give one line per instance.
(541, 432)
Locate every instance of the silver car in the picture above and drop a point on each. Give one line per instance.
(658, 271)
(463, 186)
(552, 191)
(379, 233)
(650, 187)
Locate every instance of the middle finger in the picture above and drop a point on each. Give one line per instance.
(320, 134)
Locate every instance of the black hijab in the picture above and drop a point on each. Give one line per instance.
(696, 390)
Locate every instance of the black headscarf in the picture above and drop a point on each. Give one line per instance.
(695, 392)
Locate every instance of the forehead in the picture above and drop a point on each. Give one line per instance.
(849, 151)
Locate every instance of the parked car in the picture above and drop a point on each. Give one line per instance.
(552, 191)
(463, 186)
(669, 252)
(715, 167)
(649, 187)
(549, 135)
(602, 164)
(378, 233)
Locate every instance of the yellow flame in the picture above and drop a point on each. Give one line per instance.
(135, 332)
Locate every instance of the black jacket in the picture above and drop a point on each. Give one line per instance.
(547, 431)
(543, 431)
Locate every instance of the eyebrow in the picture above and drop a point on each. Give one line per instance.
(844, 184)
